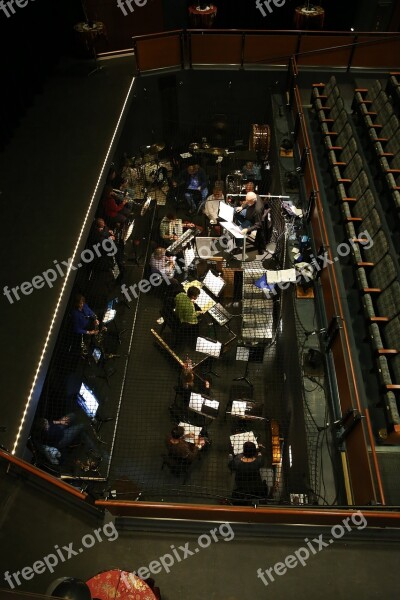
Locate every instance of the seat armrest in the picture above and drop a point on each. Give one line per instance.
(361, 90)
(344, 180)
(387, 351)
(379, 319)
(372, 290)
(365, 264)
(348, 199)
(353, 220)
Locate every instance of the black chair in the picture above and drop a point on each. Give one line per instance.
(44, 457)
(179, 467)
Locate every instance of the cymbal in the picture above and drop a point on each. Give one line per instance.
(215, 151)
(153, 148)
(194, 146)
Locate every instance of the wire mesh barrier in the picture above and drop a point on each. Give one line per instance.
(175, 375)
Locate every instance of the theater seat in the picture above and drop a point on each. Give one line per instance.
(371, 255)
(379, 277)
(385, 337)
(385, 306)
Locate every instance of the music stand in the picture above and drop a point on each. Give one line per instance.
(109, 317)
(99, 359)
(210, 347)
(243, 354)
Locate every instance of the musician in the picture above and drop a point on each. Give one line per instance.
(248, 187)
(211, 205)
(195, 181)
(61, 433)
(247, 471)
(160, 263)
(253, 216)
(115, 210)
(251, 172)
(184, 306)
(84, 320)
(188, 384)
(179, 448)
(171, 228)
(100, 232)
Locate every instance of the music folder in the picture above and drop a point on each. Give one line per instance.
(208, 346)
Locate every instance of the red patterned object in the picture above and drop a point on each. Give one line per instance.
(119, 585)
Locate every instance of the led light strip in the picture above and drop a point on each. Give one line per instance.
(69, 271)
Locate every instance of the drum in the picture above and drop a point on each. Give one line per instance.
(202, 19)
(311, 17)
(260, 139)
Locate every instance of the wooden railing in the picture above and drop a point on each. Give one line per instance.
(42, 476)
(193, 47)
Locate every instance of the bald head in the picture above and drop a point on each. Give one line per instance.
(251, 197)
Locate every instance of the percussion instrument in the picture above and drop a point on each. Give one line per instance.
(215, 151)
(194, 146)
(202, 18)
(260, 139)
(87, 35)
(153, 148)
(309, 17)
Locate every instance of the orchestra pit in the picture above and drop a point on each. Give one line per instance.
(222, 343)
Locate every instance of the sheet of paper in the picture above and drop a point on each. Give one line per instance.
(196, 402)
(211, 403)
(282, 276)
(239, 408)
(239, 439)
(190, 429)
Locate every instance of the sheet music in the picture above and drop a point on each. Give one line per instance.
(109, 315)
(204, 301)
(282, 276)
(213, 283)
(226, 212)
(190, 429)
(242, 353)
(211, 403)
(239, 439)
(196, 402)
(239, 408)
(233, 229)
(209, 347)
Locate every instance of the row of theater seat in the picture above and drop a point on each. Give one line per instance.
(375, 262)
(375, 113)
(393, 89)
